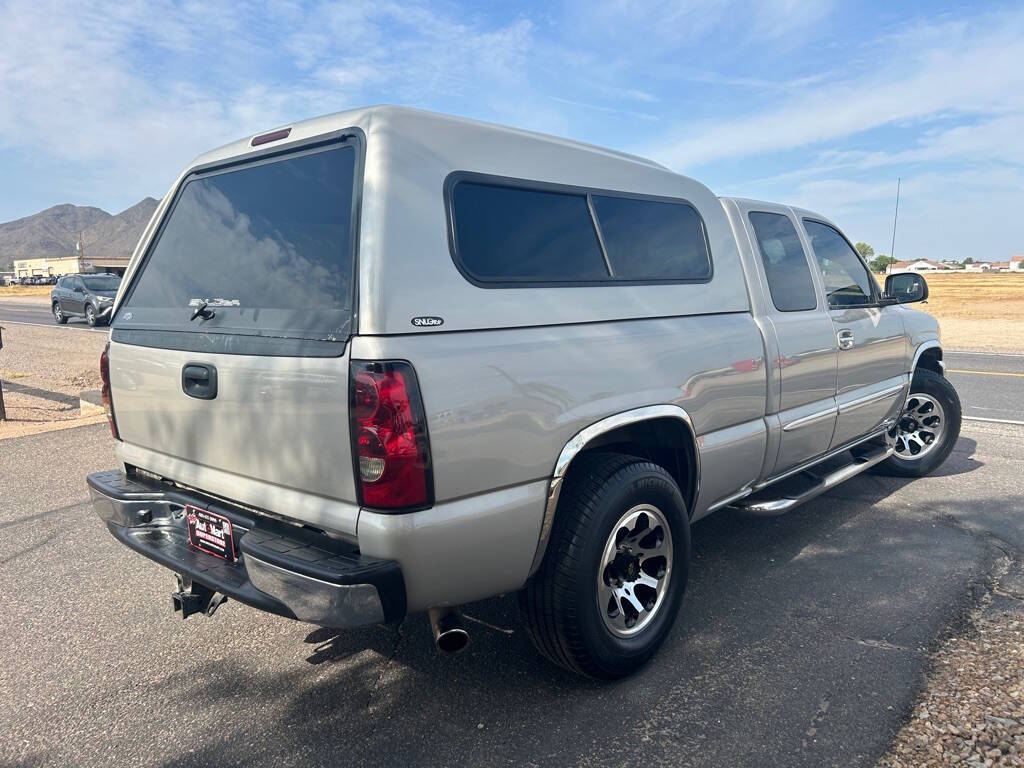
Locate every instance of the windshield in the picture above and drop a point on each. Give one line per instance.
(261, 250)
(101, 283)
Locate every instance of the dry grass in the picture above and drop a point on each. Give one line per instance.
(978, 311)
(25, 290)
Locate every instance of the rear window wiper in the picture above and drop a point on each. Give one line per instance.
(202, 311)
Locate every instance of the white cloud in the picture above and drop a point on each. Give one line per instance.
(123, 94)
(952, 68)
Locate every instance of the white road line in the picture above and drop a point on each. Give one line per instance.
(985, 354)
(994, 421)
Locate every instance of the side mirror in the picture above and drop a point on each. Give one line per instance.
(905, 288)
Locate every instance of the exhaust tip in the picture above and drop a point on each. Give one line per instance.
(450, 636)
(452, 641)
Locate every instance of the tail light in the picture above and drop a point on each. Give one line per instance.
(108, 404)
(389, 437)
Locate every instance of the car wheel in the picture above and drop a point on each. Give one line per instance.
(90, 315)
(927, 429)
(609, 588)
(58, 314)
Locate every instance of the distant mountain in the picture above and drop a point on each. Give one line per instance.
(48, 233)
(55, 231)
(117, 236)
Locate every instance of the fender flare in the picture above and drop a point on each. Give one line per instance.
(586, 435)
(923, 347)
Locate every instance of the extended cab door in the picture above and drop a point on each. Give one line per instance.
(872, 378)
(802, 365)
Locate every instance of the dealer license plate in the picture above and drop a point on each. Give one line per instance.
(209, 532)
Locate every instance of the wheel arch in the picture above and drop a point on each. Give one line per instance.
(929, 355)
(663, 434)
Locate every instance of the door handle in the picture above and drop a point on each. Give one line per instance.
(845, 337)
(199, 380)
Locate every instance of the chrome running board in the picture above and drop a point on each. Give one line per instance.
(783, 504)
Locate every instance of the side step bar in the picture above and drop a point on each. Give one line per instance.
(777, 506)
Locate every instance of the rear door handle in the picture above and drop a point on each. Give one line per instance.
(845, 337)
(199, 380)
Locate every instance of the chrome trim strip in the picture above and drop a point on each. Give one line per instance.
(803, 421)
(586, 435)
(874, 397)
(316, 601)
(831, 480)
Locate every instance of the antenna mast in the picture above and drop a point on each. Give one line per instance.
(895, 217)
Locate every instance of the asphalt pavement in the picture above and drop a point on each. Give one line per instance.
(991, 386)
(35, 310)
(803, 641)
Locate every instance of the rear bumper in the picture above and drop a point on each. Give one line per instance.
(290, 571)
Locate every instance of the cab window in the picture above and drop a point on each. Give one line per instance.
(847, 281)
(785, 265)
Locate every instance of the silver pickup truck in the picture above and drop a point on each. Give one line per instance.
(388, 361)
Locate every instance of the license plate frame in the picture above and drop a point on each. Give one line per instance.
(210, 533)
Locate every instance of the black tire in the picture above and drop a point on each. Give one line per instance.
(58, 316)
(933, 385)
(90, 316)
(559, 605)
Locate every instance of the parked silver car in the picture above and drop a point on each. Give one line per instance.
(389, 361)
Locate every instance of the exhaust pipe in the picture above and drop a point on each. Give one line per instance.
(450, 636)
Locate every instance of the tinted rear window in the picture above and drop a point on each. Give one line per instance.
(267, 247)
(652, 239)
(510, 234)
(532, 233)
(101, 283)
(785, 265)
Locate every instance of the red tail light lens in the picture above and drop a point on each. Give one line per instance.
(108, 404)
(389, 436)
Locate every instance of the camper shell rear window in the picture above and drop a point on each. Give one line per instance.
(514, 233)
(253, 258)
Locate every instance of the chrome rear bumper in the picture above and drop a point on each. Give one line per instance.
(290, 571)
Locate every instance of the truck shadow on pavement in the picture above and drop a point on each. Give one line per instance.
(801, 641)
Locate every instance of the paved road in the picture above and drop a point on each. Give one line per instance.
(990, 386)
(35, 310)
(803, 641)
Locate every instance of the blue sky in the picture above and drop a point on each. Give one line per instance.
(817, 104)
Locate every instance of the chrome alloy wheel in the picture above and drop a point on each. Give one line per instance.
(634, 571)
(57, 313)
(920, 426)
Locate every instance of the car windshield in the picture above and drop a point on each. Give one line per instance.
(105, 283)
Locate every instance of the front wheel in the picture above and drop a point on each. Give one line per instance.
(90, 315)
(610, 586)
(58, 314)
(927, 429)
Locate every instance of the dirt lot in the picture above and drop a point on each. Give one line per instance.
(25, 290)
(43, 371)
(978, 311)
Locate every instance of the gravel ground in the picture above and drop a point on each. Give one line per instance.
(971, 712)
(43, 371)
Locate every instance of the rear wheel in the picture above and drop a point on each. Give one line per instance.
(927, 429)
(90, 315)
(58, 314)
(610, 586)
